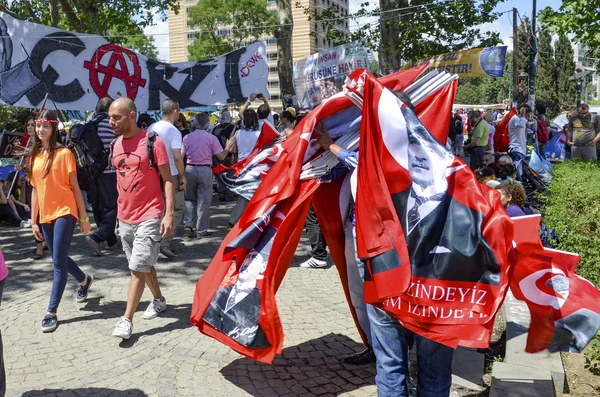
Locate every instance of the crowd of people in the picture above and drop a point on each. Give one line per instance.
(158, 176)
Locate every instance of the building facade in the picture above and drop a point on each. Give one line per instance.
(308, 37)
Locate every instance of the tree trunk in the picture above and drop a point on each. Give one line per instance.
(31, 12)
(389, 50)
(284, 51)
(74, 21)
(54, 14)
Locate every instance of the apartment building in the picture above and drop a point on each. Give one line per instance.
(181, 35)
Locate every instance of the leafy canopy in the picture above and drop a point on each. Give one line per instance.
(224, 25)
(120, 21)
(423, 28)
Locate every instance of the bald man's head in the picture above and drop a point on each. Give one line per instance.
(122, 114)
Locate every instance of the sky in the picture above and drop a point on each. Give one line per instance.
(503, 25)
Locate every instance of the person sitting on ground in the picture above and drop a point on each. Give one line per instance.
(487, 176)
(505, 160)
(507, 173)
(488, 159)
(8, 209)
(513, 198)
(287, 120)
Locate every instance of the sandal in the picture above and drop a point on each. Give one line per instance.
(37, 255)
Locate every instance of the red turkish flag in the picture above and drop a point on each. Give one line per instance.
(501, 139)
(443, 271)
(564, 307)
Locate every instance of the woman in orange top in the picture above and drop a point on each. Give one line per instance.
(57, 199)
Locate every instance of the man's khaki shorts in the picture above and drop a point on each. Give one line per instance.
(141, 243)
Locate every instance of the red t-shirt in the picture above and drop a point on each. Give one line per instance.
(140, 195)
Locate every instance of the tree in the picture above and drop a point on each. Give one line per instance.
(409, 31)
(578, 18)
(524, 38)
(283, 34)
(119, 21)
(565, 68)
(545, 84)
(224, 25)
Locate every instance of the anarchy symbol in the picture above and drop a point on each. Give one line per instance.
(116, 68)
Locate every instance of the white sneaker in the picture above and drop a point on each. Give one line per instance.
(123, 328)
(155, 307)
(313, 263)
(25, 224)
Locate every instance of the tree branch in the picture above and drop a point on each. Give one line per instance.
(74, 21)
(31, 12)
(9, 12)
(54, 13)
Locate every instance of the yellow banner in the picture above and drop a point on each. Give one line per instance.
(476, 62)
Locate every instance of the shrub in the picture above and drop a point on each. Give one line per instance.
(572, 209)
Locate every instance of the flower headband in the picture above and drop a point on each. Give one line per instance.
(46, 121)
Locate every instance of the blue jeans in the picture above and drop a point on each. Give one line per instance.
(103, 195)
(391, 344)
(58, 236)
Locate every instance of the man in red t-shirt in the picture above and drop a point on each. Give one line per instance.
(143, 221)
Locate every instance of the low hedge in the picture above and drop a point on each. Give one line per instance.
(572, 209)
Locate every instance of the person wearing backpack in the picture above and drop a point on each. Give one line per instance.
(102, 190)
(141, 160)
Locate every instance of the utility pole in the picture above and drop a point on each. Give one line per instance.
(515, 65)
(532, 56)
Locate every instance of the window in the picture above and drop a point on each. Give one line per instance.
(272, 41)
(272, 55)
(316, 40)
(224, 32)
(193, 36)
(275, 97)
(274, 84)
(273, 69)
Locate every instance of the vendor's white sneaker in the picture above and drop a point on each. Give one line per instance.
(313, 263)
(155, 307)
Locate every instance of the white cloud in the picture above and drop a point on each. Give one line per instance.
(160, 31)
(503, 27)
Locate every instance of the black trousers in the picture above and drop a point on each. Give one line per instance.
(315, 235)
(103, 195)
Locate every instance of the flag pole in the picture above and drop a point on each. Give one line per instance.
(48, 94)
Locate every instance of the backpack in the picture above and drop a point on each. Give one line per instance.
(87, 147)
(150, 138)
(542, 131)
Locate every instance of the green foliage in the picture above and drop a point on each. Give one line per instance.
(572, 209)
(12, 118)
(423, 29)
(225, 25)
(120, 21)
(565, 68)
(545, 84)
(592, 356)
(486, 90)
(578, 18)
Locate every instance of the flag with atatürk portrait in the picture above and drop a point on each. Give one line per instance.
(436, 242)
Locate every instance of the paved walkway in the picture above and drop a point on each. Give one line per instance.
(166, 356)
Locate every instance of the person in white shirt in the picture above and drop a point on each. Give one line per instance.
(173, 140)
(245, 140)
(517, 135)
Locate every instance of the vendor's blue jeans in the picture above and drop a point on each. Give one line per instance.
(390, 342)
(58, 236)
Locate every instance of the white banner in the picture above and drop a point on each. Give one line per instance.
(78, 69)
(322, 74)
